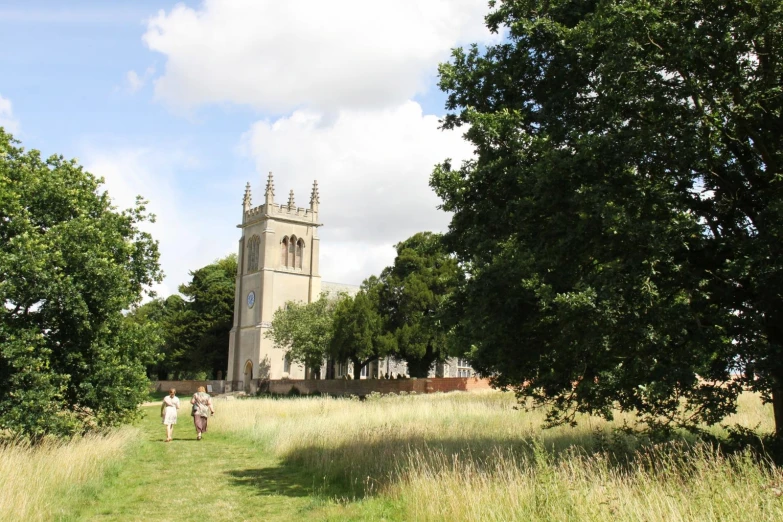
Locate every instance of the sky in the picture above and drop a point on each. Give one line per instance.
(184, 102)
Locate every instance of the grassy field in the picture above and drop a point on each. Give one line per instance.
(461, 456)
(34, 481)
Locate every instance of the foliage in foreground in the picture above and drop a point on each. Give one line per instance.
(70, 263)
(622, 220)
(474, 456)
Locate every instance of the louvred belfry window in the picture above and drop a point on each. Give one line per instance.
(284, 251)
(253, 246)
(291, 252)
(299, 250)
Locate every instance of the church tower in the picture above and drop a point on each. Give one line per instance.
(277, 263)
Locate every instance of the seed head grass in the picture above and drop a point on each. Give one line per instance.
(474, 456)
(35, 479)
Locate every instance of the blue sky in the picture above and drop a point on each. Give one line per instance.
(185, 102)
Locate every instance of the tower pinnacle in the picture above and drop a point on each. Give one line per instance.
(269, 194)
(314, 197)
(248, 199)
(291, 204)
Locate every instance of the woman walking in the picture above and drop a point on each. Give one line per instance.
(168, 412)
(202, 409)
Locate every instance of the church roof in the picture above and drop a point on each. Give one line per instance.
(335, 288)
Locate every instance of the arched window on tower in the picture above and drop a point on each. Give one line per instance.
(253, 246)
(291, 252)
(284, 251)
(299, 251)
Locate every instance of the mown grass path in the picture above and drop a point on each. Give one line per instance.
(223, 477)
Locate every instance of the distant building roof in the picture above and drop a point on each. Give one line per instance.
(333, 289)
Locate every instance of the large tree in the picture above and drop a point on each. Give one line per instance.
(359, 331)
(413, 291)
(162, 315)
(70, 263)
(194, 329)
(304, 330)
(621, 221)
(205, 325)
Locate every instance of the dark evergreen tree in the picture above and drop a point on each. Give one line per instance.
(412, 295)
(359, 331)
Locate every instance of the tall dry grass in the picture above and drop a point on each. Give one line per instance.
(35, 480)
(672, 483)
(472, 456)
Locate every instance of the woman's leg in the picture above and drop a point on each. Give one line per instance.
(168, 432)
(199, 420)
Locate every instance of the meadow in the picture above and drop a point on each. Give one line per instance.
(34, 480)
(457, 456)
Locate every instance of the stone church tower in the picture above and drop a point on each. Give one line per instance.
(277, 263)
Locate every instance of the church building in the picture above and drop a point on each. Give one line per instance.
(277, 262)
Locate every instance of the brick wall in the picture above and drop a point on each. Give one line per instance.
(337, 386)
(188, 387)
(366, 386)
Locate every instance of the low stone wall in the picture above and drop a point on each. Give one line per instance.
(188, 387)
(364, 387)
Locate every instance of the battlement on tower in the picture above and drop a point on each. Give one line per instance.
(289, 211)
(275, 210)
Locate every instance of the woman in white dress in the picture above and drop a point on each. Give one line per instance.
(168, 412)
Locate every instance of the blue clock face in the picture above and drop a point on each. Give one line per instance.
(251, 299)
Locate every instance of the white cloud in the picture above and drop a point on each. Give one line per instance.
(373, 171)
(342, 74)
(189, 236)
(279, 56)
(134, 82)
(7, 119)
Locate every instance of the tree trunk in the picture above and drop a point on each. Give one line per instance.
(774, 331)
(777, 406)
(357, 369)
(420, 368)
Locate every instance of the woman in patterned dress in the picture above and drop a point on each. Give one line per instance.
(168, 412)
(202, 409)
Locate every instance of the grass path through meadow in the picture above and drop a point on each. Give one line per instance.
(223, 477)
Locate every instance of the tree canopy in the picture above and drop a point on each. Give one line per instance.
(208, 316)
(621, 220)
(193, 327)
(412, 292)
(359, 331)
(70, 263)
(304, 330)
